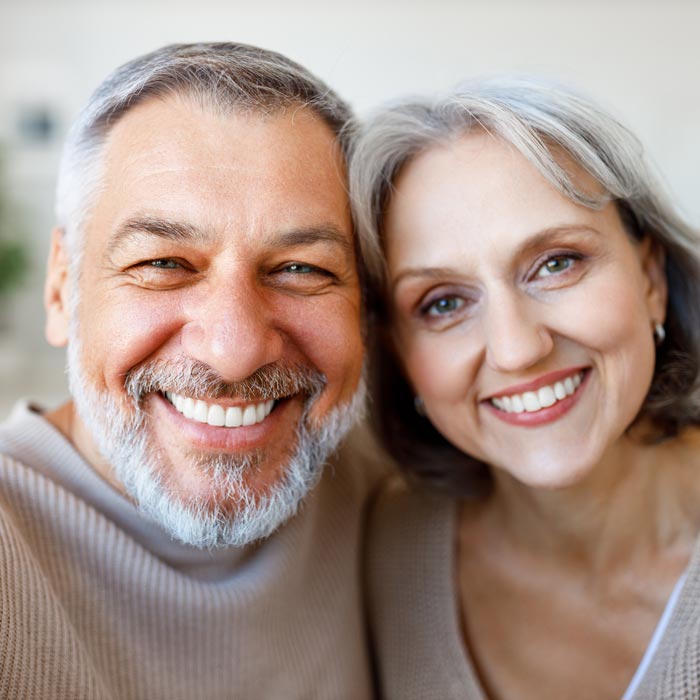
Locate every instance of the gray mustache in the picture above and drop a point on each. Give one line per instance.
(198, 380)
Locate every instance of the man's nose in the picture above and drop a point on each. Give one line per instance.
(516, 332)
(234, 329)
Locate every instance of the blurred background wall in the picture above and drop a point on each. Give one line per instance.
(640, 58)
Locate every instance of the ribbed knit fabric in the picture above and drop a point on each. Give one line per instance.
(415, 620)
(96, 602)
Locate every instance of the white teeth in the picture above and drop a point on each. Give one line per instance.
(219, 416)
(216, 416)
(249, 415)
(531, 402)
(517, 404)
(544, 397)
(201, 411)
(234, 417)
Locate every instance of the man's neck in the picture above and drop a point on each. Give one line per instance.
(67, 421)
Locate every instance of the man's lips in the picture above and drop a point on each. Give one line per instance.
(201, 435)
(221, 413)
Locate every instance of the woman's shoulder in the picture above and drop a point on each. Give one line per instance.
(408, 523)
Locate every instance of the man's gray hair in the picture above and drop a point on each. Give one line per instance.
(549, 125)
(221, 76)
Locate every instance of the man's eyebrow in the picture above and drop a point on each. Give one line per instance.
(309, 235)
(537, 240)
(183, 233)
(155, 226)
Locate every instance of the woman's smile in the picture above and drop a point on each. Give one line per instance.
(541, 401)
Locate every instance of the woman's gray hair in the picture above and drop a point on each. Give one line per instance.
(542, 121)
(221, 76)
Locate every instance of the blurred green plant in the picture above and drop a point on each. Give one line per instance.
(14, 256)
(13, 265)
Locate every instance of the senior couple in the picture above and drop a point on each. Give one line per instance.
(529, 300)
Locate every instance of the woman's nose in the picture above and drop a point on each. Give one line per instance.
(516, 333)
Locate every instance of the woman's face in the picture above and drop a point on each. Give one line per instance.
(522, 319)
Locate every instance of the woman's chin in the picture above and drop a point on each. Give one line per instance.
(551, 473)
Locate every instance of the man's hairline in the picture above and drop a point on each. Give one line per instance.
(78, 230)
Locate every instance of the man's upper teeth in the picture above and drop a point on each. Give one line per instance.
(220, 416)
(544, 397)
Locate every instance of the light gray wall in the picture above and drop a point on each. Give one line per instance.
(641, 59)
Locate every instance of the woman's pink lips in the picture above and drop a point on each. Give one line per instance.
(544, 415)
(535, 384)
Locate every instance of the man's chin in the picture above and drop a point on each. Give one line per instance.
(218, 497)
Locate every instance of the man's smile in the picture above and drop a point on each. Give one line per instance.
(219, 415)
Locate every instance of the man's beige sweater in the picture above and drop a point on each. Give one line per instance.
(98, 602)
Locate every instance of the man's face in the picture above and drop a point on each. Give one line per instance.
(218, 287)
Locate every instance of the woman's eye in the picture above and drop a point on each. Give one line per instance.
(443, 306)
(555, 265)
(299, 269)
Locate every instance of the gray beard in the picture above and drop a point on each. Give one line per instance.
(123, 439)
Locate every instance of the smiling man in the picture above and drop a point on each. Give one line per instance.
(203, 277)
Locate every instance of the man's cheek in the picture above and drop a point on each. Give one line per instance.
(129, 335)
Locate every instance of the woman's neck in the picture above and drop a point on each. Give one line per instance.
(640, 499)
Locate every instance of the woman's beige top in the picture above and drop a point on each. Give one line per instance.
(415, 616)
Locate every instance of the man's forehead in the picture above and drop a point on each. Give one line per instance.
(171, 165)
(163, 128)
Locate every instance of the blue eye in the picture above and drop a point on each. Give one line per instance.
(164, 264)
(555, 265)
(299, 269)
(443, 306)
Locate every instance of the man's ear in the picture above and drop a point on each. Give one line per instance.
(653, 259)
(56, 292)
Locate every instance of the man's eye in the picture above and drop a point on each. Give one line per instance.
(555, 265)
(164, 264)
(443, 306)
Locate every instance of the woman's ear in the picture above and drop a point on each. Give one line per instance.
(653, 259)
(56, 292)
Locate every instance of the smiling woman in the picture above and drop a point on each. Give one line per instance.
(535, 299)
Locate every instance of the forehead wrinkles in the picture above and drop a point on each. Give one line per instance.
(245, 174)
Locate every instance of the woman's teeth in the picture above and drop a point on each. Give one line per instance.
(220, 416)
(544, 397)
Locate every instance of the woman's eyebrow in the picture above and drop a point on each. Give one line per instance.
(422, 272)
(536, 241)
(552, 234)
